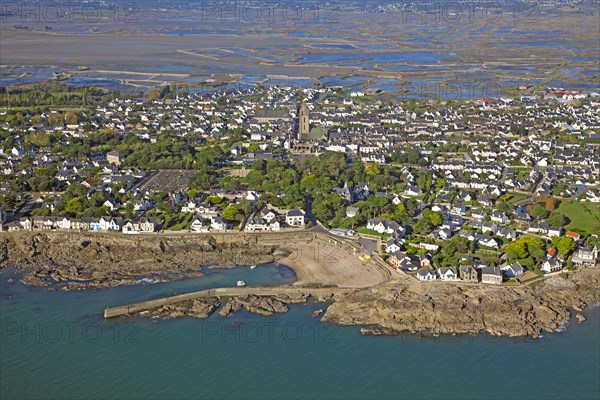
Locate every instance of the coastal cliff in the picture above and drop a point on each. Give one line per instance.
(78, 260)
(394, 307)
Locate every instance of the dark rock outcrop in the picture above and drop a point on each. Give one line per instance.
(78, 260)
(201, 308)
(451, 309)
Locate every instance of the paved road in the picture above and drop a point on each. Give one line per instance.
(369, 245)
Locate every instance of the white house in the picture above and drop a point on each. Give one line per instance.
(130, 228)
(499, 217)
(554, 231)
(218, 223)
(267, 214)
(115, 224)
(384, 225)
(275, 226)
(295, 218)
(252, 196)
(448, 274)
(25, 223)
(198, 225)
(551, 265)
(258, 224)
(445, 233)
(142, 205)
(111, 205)
(483, 240)
(478, 214)
(64, 223)
(425, 274)
(413, 191)
(585, 256)
(512, 270)
(391, 246)
(104, 223)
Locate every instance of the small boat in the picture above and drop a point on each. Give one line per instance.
(241, 283)
(252, 266)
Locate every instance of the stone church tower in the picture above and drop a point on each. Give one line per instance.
(304, 122)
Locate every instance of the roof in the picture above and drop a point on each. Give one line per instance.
(553, 262)
(425, 271)
(444, 270)
(516, 267)
(491, 271)
(295, 213)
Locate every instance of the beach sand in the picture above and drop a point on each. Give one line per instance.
(318, 262)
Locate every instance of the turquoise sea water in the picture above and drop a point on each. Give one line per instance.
(55, 345)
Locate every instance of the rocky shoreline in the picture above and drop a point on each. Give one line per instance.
(437, 309)
(397, 307)
(204, 307)
(73, 261)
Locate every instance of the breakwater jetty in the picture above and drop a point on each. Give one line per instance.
(129, 309)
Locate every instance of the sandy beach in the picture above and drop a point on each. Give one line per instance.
(318, 262)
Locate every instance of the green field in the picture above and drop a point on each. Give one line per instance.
(585, 217)
(178, 222)
(516, 197)
(366, 231)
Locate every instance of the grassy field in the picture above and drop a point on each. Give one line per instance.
(585, 217)
(178, 222)
(516, 197)
(366, 231)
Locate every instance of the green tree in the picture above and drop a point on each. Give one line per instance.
(557, 219)
(201, 181)
(373, 170)
(423, 226)
(129, 210)
(540, 212)
(436, 218)
(74, 206)
(213, 200)
(564, 245)
(524, 247)
(230, 213)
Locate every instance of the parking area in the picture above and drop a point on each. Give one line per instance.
(168, 180)
(369, 245)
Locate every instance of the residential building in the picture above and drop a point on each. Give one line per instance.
(295, 218)
(491, 275)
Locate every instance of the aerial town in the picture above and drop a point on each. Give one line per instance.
(497, 191)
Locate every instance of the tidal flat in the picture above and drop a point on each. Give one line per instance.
(188, 45)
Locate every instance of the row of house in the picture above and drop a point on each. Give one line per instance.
(465, 273)
(104, 224)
